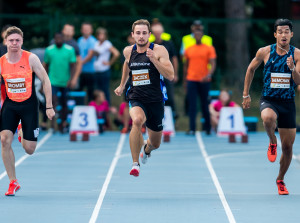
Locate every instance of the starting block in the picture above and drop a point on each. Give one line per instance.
(84, 121)
(85, 137)
(232, 138)
(168, 123)
(232, 123)
(166, 136)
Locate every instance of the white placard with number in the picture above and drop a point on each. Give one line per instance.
(168, 121)
(231, 121)
(84, 120)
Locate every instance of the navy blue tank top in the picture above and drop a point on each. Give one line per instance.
(278, 81)
(146, 83)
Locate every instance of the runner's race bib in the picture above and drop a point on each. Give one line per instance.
(280, 80)
(140, 77)
(16, 85)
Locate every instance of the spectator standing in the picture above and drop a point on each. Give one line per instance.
(106, 55)
(158, 30)
(60, 61)
(86, 45)
(197, 78)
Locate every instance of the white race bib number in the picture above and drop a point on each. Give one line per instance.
(280, 80)
(17, 85)
(140, 77)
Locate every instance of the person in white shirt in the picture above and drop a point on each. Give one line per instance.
(106, 56)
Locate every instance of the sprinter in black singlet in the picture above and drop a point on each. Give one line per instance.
(281, 76)
(146, 65)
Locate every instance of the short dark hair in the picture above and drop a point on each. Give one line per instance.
(283, 22)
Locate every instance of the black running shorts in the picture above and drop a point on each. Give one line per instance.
(285, 110)
(13, 112)
(154, 112)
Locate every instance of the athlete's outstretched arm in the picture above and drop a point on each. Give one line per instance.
(295, 67)
(125, 71)
(160, 58)
(257, 60)
(40, 72)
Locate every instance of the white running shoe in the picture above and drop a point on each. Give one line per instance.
(143, 154)
(135, 170)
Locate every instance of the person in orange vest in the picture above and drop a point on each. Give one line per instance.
(189, 40)
(197, 78)
(18, 69)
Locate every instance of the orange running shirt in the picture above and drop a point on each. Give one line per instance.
(198, 57)
(17, 77)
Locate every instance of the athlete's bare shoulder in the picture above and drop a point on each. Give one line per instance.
(127, 51)
(33, 59)
(263, 52)
(159, 48)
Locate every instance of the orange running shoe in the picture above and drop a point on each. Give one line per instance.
(14, 186)
(281, 188)
(272, 152)
(124, 130)
(19, 132)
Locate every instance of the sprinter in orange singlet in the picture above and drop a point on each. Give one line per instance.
(16, 68)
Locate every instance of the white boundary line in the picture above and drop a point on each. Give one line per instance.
(19, 161)
(107, 179)
(215, 178)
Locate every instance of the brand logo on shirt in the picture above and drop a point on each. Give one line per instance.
(139, 64)
(22, 67)
(36, 132)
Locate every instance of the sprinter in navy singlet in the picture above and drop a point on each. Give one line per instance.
(277, 105)
(146, 65)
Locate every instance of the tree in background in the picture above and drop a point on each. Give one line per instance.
(237, 52)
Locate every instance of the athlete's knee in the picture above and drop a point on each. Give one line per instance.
(5, 141)
(29, 149)
(138, 120)
(287, 148)
(154, 145)
(268, 119)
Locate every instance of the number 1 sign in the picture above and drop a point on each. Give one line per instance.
(231, 121)
(84, 120)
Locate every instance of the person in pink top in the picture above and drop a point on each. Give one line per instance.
(102, 108)
(216, 106)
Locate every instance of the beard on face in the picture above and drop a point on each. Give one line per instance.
(142, 45)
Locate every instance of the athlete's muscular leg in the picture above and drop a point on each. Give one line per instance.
(287, 137)
(8, 155)
(29, 146)
(153, 141)
(136, 139)
(269, 118)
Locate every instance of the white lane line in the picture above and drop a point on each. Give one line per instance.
(215, 178)
(19, 161)
(107, 179)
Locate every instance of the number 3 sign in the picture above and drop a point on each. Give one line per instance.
(231, 121)
(84, 120)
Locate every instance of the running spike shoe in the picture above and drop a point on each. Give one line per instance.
(272, 152)
(14, 186)
(135, 170)
(281, 188)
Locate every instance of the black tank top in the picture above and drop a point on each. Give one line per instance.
(146, 83)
